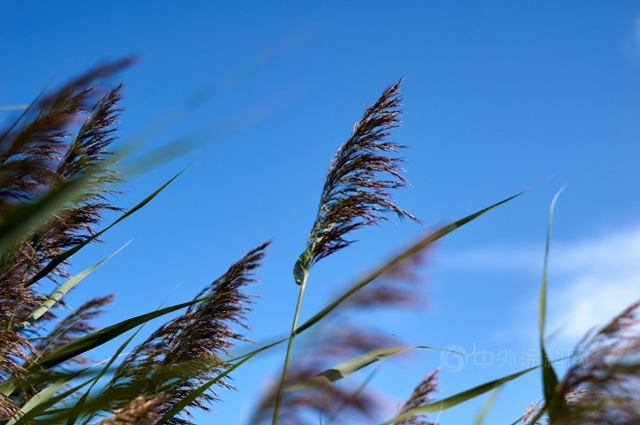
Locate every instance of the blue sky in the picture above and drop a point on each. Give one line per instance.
(498, 96)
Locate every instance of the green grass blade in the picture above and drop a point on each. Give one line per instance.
(454, 400)
(347, 368)
(38, 409)
(77, 409)
(95, 339)
(61, 291)
(549, 376)
(417, 247)
(351, 366)
(42, 397)
(482, 414)
(271, 344)
(62, 257)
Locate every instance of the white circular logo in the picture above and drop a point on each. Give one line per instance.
(452, 361)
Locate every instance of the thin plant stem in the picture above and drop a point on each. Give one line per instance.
(276, 410)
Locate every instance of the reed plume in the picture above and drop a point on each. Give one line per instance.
(353, 195)
(139, 411)
(37, 155)
(603, 386)
(421, 395)
(75, 325)
(195, 340)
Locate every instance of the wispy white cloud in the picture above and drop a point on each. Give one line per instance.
(591, 280)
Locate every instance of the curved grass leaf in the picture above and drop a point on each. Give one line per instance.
(95, 339)
(461, 397)
(91, 341)
(420, 245)
(549, 376)
(40, 408)
(345, 369)
(61, 291)
(42, 397)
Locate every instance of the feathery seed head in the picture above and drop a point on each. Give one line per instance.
(353, 194)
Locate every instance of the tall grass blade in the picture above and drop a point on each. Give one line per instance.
(88, 342)
(40, 408)
(461, 397)
(77, 409)
(91, 341)
(349, 367)
(61, 291)
(420, 245)
(42, 397)
(549, 377)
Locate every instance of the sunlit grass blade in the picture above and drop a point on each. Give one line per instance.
(91, 341)
(461, 397)
(42, 397)
(482, 414)
(62, 257)
(345, 369)
(549, 376)
(88, 342)
(348, 367)
(61, 291)
(420, 245)
(40, 408)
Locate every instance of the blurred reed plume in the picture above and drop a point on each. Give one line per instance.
(339, 337)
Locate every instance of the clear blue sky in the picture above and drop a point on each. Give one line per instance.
(498, 96)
